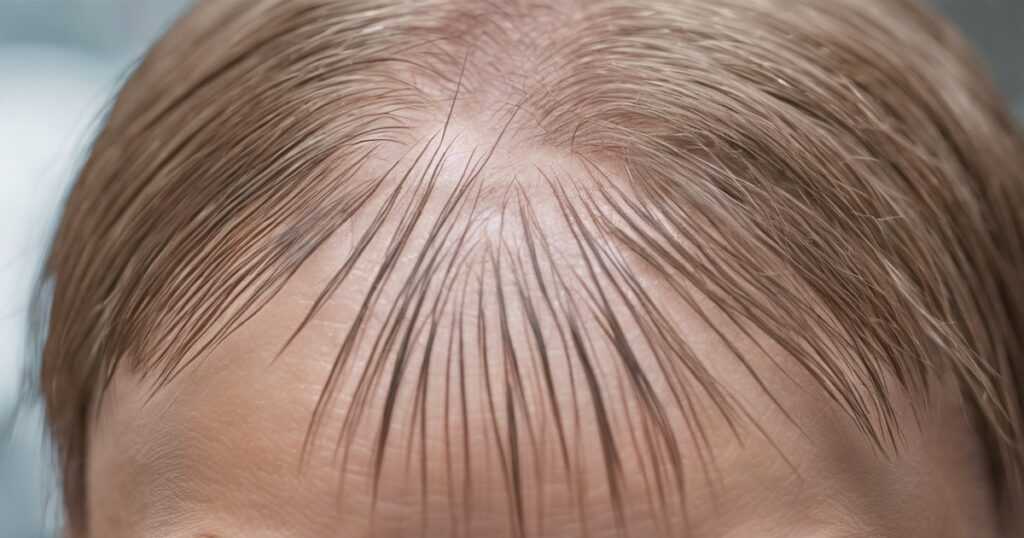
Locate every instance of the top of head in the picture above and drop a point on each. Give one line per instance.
(629, 191)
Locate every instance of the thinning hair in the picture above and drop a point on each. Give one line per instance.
(837, 175)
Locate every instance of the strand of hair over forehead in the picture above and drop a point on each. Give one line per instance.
(782, 164)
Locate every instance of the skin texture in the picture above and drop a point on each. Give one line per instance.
(221, 451)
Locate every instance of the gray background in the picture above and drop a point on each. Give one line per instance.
(60, 61)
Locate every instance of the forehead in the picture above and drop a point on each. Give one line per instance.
(508, 372)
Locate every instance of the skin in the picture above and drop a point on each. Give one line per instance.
(219, 451)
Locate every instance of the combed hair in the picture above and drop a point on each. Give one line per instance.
(837, 175)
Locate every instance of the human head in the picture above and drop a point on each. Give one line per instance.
(581, 241)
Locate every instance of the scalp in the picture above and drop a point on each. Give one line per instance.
(836, 175)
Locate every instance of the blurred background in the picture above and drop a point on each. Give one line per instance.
(60, 63)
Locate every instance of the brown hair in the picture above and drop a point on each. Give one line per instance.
(849, 148)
